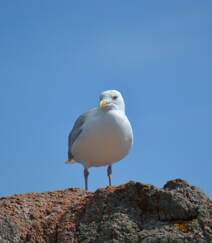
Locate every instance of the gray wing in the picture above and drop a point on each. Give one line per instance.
(75, 132)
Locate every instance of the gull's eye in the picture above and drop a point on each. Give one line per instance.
(114, 97)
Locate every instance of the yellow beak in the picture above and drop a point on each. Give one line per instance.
(103, 104)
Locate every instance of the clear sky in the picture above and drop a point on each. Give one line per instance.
(57, 56)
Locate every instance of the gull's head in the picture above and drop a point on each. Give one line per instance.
(111, 99)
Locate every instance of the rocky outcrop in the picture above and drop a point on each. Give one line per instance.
(133, 212)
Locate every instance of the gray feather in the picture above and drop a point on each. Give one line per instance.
(75, 132)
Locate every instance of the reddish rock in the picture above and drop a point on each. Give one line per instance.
(133, 212)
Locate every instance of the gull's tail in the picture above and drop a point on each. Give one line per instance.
(69, 161)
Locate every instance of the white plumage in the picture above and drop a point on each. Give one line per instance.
(101, 136)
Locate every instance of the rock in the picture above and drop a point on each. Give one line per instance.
(133, 212)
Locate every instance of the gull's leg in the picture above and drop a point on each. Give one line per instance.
(86, 173)
(109, 174)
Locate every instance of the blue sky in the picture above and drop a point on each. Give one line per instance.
(55, 59)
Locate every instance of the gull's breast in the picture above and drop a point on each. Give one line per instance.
(105, 139)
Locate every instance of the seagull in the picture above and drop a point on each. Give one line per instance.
(101, 136)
